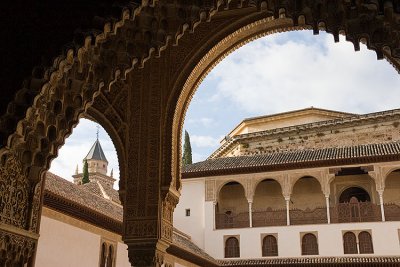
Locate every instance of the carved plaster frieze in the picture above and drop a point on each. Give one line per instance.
(14, 193)
(15, 248)
(210, 190)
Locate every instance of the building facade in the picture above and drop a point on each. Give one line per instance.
(81, 223)
(310, 183)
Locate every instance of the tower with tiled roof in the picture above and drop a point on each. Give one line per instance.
(97, 165)
(96, 159)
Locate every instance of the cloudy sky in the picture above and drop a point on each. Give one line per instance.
(273, 74)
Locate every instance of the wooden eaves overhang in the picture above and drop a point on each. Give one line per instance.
(370, 261)
(300, 159)
(80, 212)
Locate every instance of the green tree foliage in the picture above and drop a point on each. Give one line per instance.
(187, 151)
(85, 177)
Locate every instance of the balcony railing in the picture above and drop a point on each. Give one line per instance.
(392, 212)
(308, 216)
(269, 217)
(341, 213)
(355, 212)
(240, 220)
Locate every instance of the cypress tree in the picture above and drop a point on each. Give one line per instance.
(85, 177)
(187, 150)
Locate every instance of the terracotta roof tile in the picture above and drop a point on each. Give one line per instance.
(82, 196)
(94, 188)
(300, 158)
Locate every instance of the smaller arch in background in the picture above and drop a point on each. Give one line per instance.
(232, 248)
(266, 179)
(350, 243)
(295, 180)
(269, 246)
(103, 255)
(309, 244)
(230, 181)
(352, 192)
(110, 258)
(365, 243)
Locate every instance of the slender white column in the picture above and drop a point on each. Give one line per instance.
(287, 199)
(328, 214)
(214, 204)
(251, 213)
(380, 192)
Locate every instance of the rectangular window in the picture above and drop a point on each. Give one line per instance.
(187, 212)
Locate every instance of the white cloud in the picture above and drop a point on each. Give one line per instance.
(204, 141)
(204, 121)
(271, 75)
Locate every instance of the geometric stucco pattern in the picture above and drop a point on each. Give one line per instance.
(130, 79)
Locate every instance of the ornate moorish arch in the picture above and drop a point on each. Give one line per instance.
(127, 53)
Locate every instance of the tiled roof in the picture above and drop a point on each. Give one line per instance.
(310, 260)
(96, 152)
(82, 196)
(296, 159)
(94, 187)
(185, 243)
(340, 122)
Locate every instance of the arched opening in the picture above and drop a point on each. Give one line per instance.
(269, 246)
(268, 204)
(391, 196)
(142, 57)
(309, 244)
(103, 255)
(357, 194)
(355, 206)
(350, 243)
(232, 210)
(232, 248)
(354, 197)
(92, 197)
(365, 243)
(110, 258)
(307, 202)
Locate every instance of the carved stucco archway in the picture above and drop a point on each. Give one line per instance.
(123, 56)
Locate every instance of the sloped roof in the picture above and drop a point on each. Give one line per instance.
(96, 152)
(295, 159)
(79, 201)
(81, 195)
(94, 187)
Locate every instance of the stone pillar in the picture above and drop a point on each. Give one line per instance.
(214, 217)
(250, 214)
(380, 192)
(287, 200)
(328, 213)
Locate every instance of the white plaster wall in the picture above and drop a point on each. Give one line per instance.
(122, 256)
(63, 245)
(385, 238)
(193, 198)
